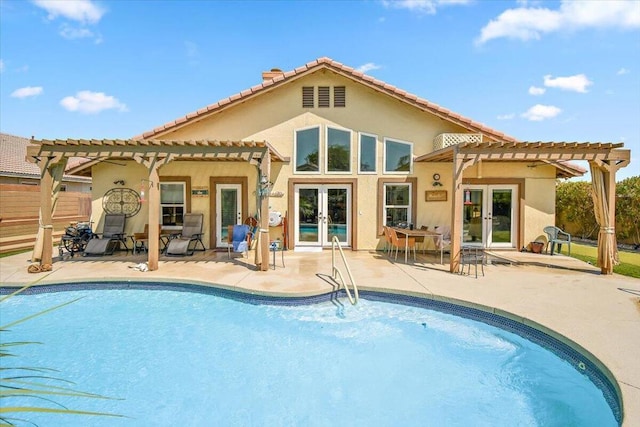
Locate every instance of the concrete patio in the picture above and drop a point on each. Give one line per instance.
(560, 295)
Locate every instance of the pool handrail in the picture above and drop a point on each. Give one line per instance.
(335, 271)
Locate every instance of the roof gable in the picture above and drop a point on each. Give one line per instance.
(277, 78)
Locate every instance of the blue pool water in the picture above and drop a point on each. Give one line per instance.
(191, 359)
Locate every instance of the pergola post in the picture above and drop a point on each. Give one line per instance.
(265, 170)
(605, 209)
(154, 219)
(152, 184)
(459, 165)
(51, 173)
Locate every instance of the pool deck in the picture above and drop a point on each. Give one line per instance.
(563, 296)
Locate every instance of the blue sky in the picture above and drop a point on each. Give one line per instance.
(538, 71)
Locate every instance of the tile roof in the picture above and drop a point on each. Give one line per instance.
(346, 71)
(13, 159)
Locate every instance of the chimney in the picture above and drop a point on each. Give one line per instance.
(272, 74)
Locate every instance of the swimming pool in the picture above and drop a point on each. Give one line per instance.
(184, 358)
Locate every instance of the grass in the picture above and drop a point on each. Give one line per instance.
(629, 261)
(16, 252)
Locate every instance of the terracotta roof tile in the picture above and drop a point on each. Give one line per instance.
(13, 160)
(349, 72)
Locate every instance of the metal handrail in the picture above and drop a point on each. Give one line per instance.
(335, 271)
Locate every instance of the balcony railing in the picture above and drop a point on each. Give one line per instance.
(448, 139)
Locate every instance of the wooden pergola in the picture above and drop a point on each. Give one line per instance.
(51, 156)
(604, 160)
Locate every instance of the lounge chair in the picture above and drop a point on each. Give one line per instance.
(111, 237)
(186, 243)
(557, 237)
(238, 238)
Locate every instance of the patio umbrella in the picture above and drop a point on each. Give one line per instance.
(607, 244)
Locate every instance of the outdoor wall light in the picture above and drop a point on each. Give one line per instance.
(145, 185)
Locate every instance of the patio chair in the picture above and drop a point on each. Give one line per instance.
(238, 238)
(186, 243)
(111, 237)
(557, 237)
(401, 243)
(472, 255)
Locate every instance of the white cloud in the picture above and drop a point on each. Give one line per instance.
(422, 6)
(622, 71)
(541, 112)
(1, 66)
(577, 83)
(506, 116)
(26, 92)
(526, 23)
(533, 90)
(369, 66)
(71, 33)
(92, 102)
(84, 11)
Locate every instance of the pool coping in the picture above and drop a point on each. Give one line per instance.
(563, 347)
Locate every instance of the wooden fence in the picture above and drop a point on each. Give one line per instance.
(19, 215)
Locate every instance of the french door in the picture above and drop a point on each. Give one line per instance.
(490, 215)
(321, 212)
(228, 210)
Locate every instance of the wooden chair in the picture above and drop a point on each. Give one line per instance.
(401, 243)
(387, 239)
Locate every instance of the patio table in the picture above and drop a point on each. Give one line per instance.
(437, 240)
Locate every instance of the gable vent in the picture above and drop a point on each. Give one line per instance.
(307, 97)
(323, 96)
(339, 96)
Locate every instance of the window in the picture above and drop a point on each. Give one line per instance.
(323, 96)
(307, 150)
(397, 204)
(307, 97)
(396, 201)
(397, 156)
(172, 204)
(338, 150)
(339, 96)
(367, 153)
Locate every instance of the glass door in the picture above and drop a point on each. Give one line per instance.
(228, 210)
(489, 215)
(322, 211)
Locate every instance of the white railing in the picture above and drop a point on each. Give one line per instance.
(335, 272)
(448, 139)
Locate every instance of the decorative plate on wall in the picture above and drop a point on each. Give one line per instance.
(121, 201)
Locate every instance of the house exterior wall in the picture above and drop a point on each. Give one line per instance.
(276, 115)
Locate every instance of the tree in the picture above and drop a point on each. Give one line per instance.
(628, 209)
(575, 205)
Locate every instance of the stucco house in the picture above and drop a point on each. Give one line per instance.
(334, 152)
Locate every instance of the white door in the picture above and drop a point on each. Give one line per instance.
(490, 215)
(228, 210)
(321, 212)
